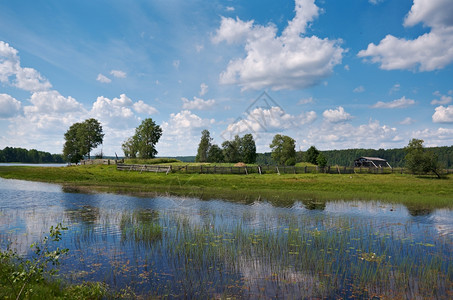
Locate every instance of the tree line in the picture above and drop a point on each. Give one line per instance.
(33, 156)
(81, 138)
(243, 149)
(415, 157)
(395, 157)
(240, 149)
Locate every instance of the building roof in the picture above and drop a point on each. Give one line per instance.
(372, 158)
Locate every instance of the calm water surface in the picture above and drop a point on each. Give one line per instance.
(31, 165)
(188, 248)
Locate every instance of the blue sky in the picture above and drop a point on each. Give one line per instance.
(333, 74)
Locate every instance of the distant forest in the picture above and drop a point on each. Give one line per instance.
(20, 155)
(395, 157)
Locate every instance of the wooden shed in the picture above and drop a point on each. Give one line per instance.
(371, 162)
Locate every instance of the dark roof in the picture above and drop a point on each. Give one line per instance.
(372, 158)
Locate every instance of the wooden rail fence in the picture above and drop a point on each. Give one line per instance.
(202, 169)
(101, 161)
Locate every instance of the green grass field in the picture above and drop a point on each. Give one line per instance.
(280, 190)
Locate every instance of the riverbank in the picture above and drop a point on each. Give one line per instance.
(280, 190)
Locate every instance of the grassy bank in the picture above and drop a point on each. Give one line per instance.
(277, 189)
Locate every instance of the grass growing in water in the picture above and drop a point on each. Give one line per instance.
(140, 226)
(286, 255)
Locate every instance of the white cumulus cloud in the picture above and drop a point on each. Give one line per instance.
(12, 73)
(143, 108)
(47, 102)
(115, 113)
(197, 103)
(398, 103)
(181, 133)
(430, 51)
(274, 119)
(443, 114)
(288, 61)
(344, 135)
(336, 115)
(9, 107)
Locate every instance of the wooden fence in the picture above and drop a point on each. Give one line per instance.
(101, 161)
(202, 169)
(144, 168)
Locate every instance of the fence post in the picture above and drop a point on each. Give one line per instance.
(305, 170)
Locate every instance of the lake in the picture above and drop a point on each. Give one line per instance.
(188, 248)
(31, 165)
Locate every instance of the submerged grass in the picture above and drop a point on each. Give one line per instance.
(281, 190)
(287, 255)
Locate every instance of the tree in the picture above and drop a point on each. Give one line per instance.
(91, 135)
(283, 150)
(321, 160)
(231, 150)
(420, 160)
(215, 154)
(130, 148)
(81, 138)
(312, 155)
(247, 149)
(145, 139)
(203, 146)
(72, 149)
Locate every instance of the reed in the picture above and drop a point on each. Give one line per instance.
(316, 256)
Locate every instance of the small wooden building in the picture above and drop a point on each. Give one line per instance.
(371, 162)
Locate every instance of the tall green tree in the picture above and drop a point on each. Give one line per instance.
(91, 136)
(146, 137)
(311, 155)
(203, 146)
(283, 150)
(71, 148)
(231, 152)
(419, 160)
(215, 154)
(247, 149)
(81, 138)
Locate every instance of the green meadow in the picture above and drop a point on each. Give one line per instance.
(280, 190)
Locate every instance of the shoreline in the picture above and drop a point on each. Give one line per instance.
(279, 190)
